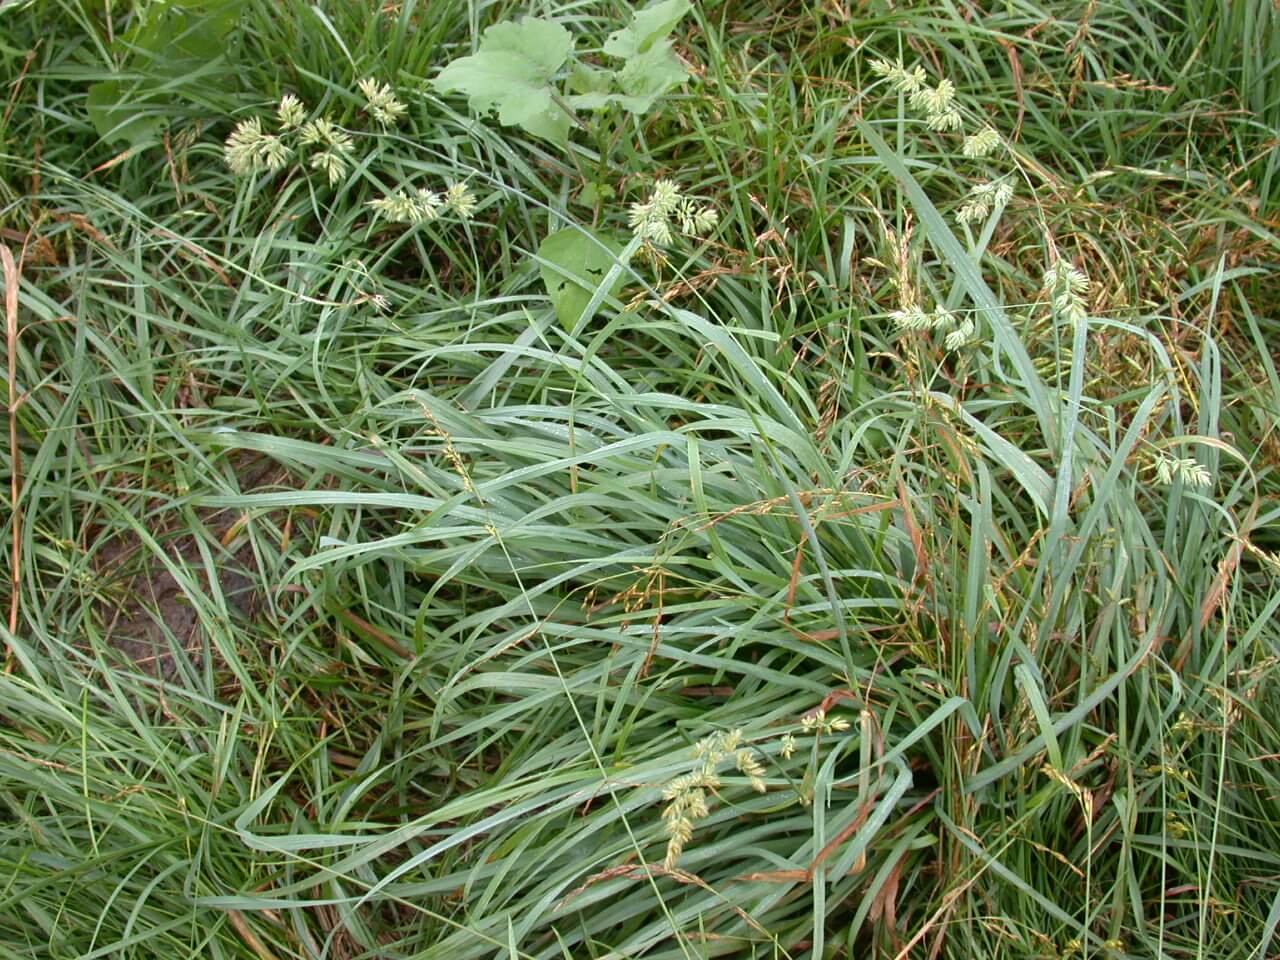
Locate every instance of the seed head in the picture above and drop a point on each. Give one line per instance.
(291, 113)
(249, 149)
(419, 206)
(381, 103)
(980, 144)
(459, 198)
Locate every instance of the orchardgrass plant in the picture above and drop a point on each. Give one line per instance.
(582, 480)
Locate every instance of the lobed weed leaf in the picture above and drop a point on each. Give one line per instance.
(512, 74)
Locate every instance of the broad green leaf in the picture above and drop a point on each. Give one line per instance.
(588, 79)
(592, 88)
(119, 115)
(512, 73)
(594, 193)
(651, 67)
(648, 75)
(575, 263)
(173, 48)
(592, 101)
(648, 26)
(635, 87)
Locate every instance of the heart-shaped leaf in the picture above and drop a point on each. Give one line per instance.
(575, 262)
(178, 46)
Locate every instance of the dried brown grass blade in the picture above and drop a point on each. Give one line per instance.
(11, 278)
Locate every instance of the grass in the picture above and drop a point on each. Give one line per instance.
(496, 578)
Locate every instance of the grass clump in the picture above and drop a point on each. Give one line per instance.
(815, 498)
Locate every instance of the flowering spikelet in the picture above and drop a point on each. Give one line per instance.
(942, 319)
(937, 103)
(332, 162)
(686, 795)
(381, 103)
(242, 146)
(1066, 287)
(911, 318)
(1187, 469)
(749, 766)
(948, 119)
(459, 198)
(980, 144)
(324, 132)
(647, 224)
(961, 335)
(421, 206)
(902, 80)
(697, 220)
(337, 147)
(933, 100)
(291, 113)
(700, 779)
(714, 748)
(275, 154)
(665, 197)
(249, 149)
(818, 723)
(316, 132)
(650, 219)
(982, 198)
